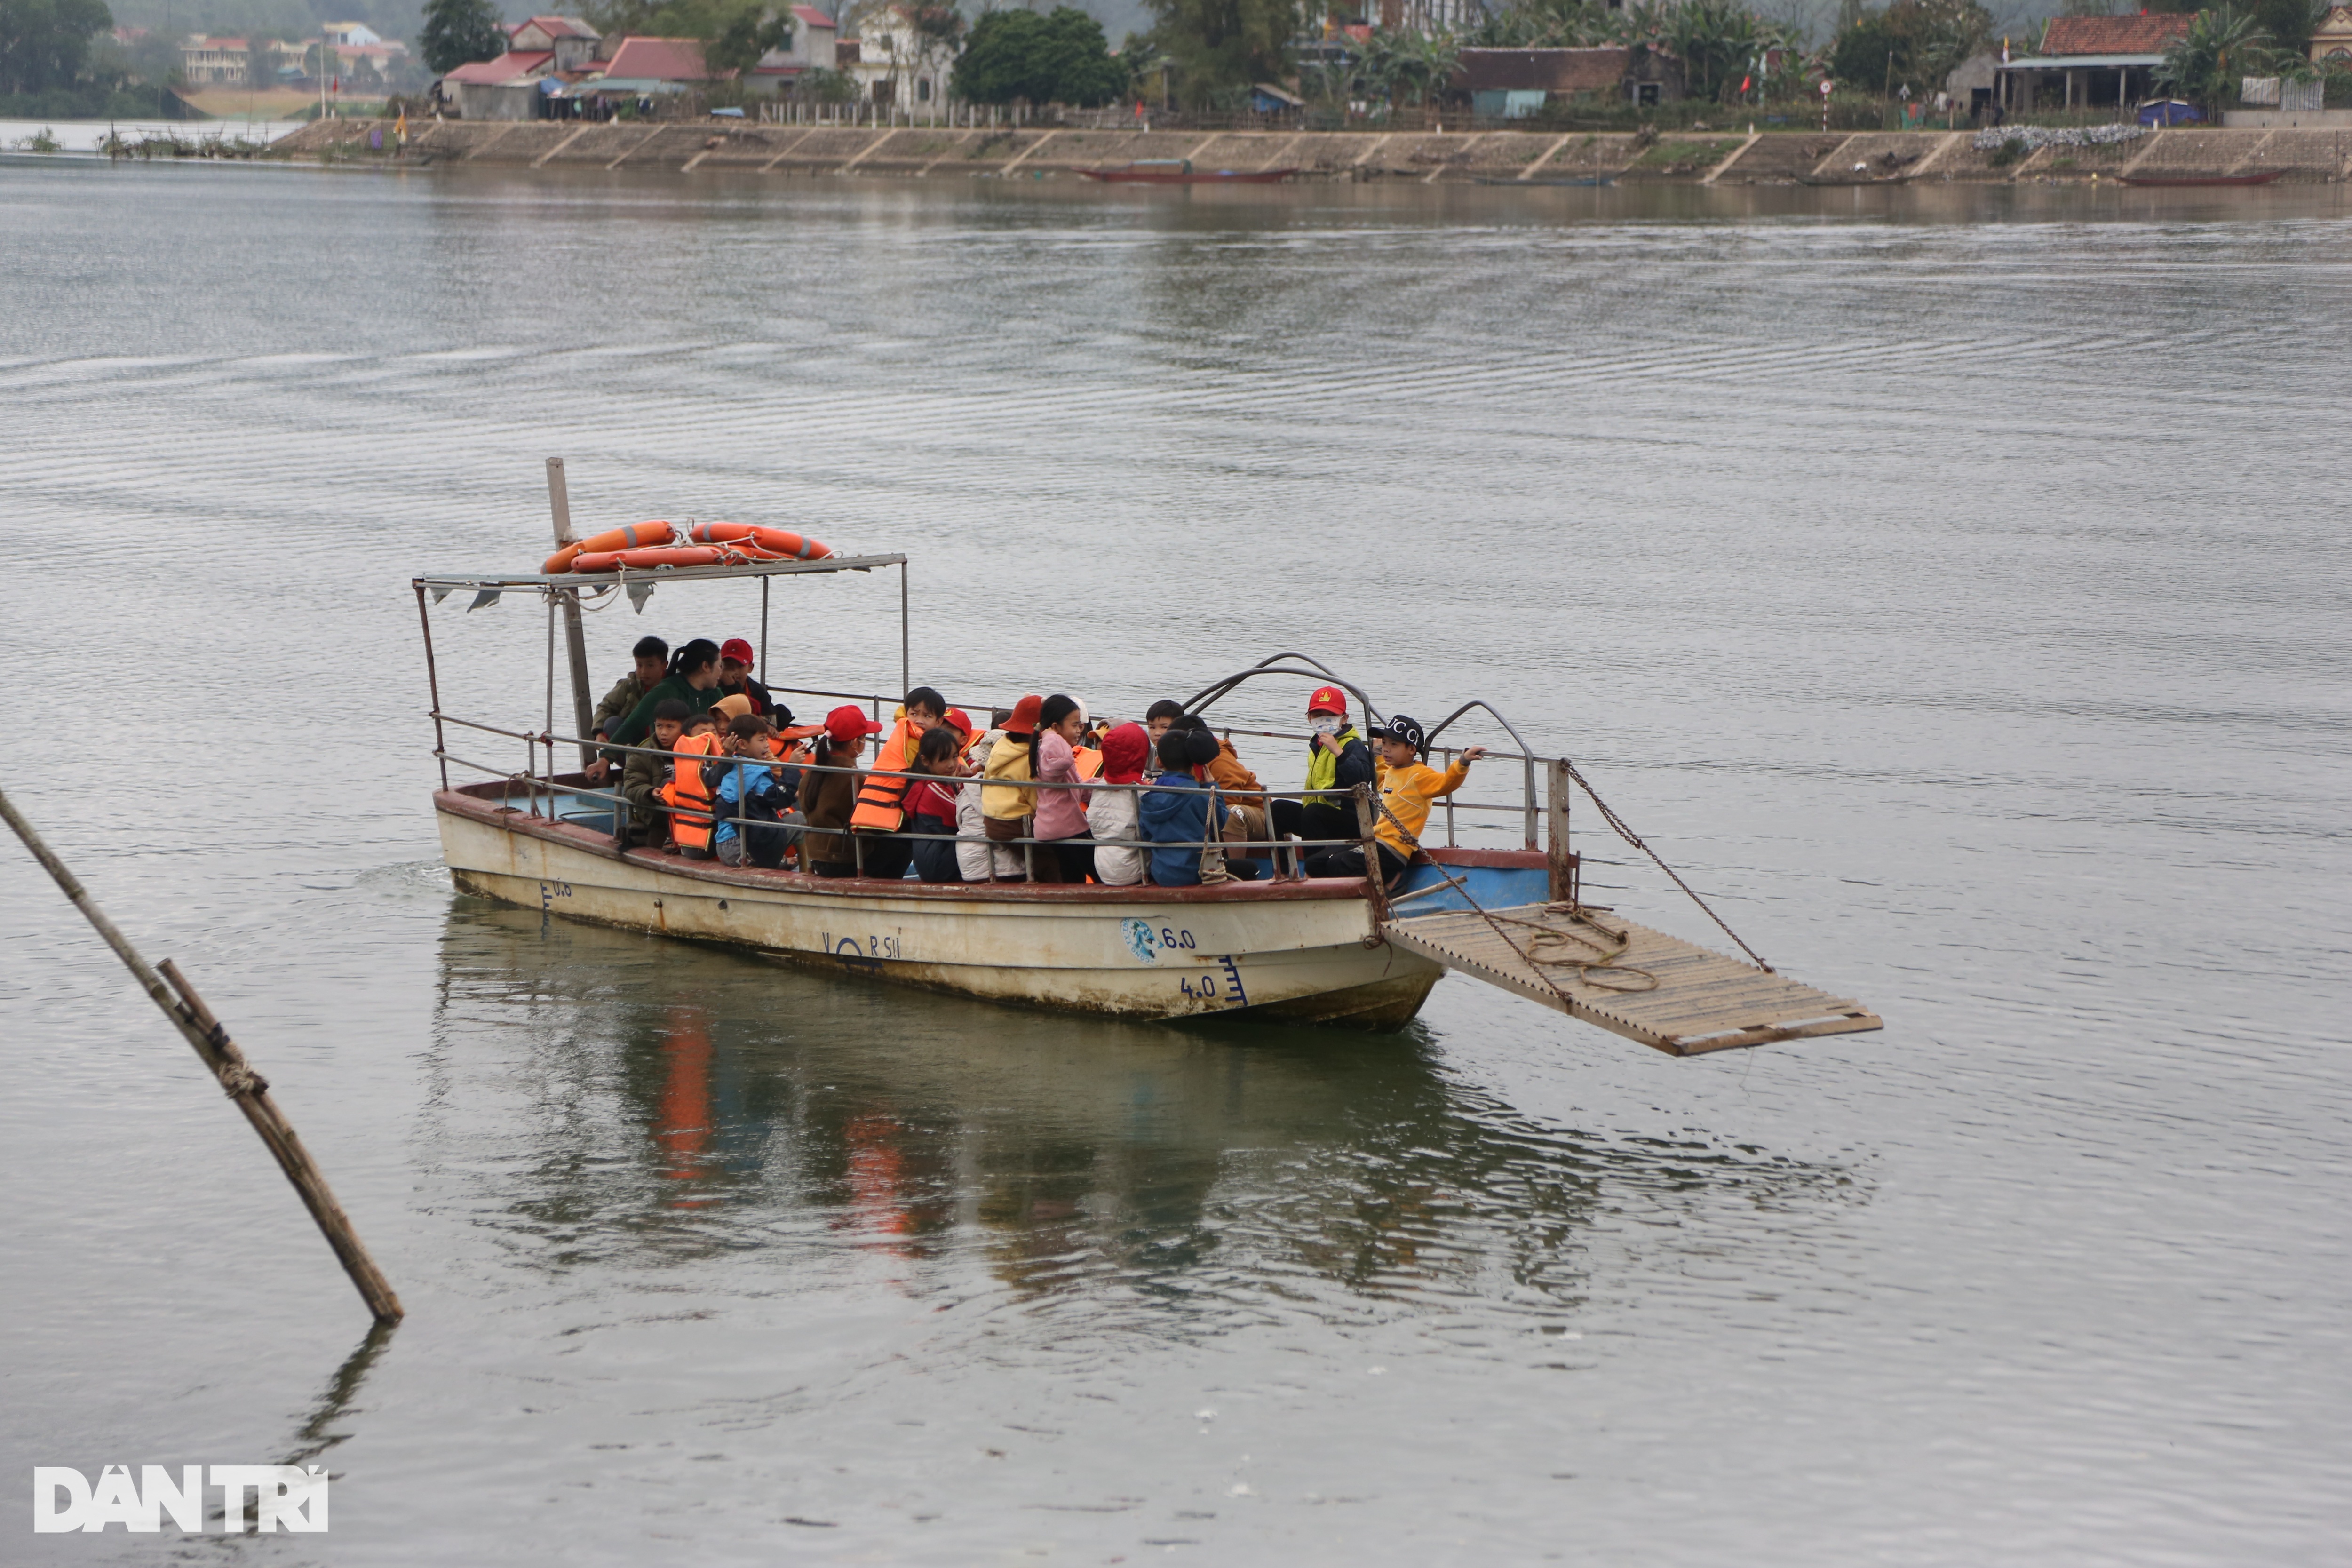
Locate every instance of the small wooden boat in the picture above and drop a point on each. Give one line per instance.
(1294, 945)
(2161, 181)
(1179, 171)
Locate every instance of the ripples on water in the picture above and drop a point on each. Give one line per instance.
(1961, 600)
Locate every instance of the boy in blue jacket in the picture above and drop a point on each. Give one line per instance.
(1175, 811)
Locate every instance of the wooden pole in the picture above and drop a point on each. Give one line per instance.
(583, 708)
(246, 1088)
(1558, 861)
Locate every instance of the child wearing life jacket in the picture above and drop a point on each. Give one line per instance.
(688, 793)
(643, 772)
(1407, 788)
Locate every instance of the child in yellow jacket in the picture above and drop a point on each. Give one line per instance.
(1407, 788)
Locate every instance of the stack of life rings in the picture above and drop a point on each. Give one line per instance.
(642, 546)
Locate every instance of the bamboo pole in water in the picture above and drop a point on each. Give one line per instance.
(248, 1089)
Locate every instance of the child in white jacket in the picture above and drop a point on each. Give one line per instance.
(1112, 812)
(980, 860)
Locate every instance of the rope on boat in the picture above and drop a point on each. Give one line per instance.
(1634, 838)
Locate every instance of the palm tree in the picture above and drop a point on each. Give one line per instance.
(2204, 64)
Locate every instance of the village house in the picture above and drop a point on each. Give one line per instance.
(812, 48)
(572, 42)
(1513, 83)
(215, 62)
(894, 65)
(545, 55)
(2332, 39)
(2089, 62)
(656, 67)
(508, 87)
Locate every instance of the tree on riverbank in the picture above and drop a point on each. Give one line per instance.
(1217, 49)
(45, 44)
(1911, 42)
(458, 32)
(2205, 65)
(1059, 57)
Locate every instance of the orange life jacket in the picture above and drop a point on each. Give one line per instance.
(689, 800)
(877, 800)
(1089, 762)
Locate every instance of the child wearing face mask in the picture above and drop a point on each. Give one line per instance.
(1336, 761)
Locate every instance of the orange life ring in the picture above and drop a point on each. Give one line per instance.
(636, 536)
(774, 542)
(640, 560)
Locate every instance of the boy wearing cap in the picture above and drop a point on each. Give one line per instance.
(1337, 762)
(828, 798)
(1408, 786)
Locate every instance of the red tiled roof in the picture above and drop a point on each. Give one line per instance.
(556, 27)
(810, 16)
(659, 59)
(1545, 71)
(497, 72)
(2115, 35)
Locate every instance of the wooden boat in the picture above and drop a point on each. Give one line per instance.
(1856, 180)
(1585, 181)
(1179, 171)
(2162, 182)
(1326, 950)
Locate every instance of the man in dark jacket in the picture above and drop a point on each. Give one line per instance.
(652, 656)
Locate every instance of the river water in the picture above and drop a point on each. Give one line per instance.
(1953, 582)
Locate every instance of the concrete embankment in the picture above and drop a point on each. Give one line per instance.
(1490, 157)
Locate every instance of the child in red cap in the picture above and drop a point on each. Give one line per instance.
(827, 798)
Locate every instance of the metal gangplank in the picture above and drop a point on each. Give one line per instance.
(1592, 964)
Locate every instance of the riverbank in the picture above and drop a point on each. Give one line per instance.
(1493, 157)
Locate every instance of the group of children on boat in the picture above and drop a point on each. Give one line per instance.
(724, 772)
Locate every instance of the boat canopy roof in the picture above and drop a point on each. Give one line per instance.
(443, 583)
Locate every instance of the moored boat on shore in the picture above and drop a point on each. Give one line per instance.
(1179, 171)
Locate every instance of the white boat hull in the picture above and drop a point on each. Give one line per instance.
(1303, 950)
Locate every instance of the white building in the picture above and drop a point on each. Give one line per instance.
(896, 65)
(813, 49)
(215, 62)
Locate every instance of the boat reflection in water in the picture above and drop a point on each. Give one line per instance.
(648, 1103)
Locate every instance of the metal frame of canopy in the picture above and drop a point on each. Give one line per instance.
(564, 589)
